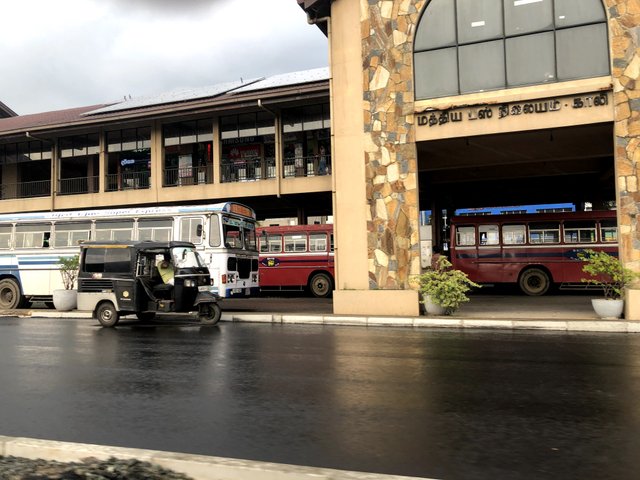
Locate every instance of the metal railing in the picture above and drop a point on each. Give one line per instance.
(74, 186)
(175, 177)
(310, 166)
(127, 181)
(248, 170)
(39, 188)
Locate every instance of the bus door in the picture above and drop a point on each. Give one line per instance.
(489, 264)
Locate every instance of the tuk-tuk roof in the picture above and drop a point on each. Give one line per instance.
(137, 245)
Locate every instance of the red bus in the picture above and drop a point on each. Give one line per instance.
(297, 257)
(535, 251)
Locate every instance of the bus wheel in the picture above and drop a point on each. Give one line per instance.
(107, 314)
(320, 285)
(146, 316)
(10, 296)
(534, 282)
(210, 313)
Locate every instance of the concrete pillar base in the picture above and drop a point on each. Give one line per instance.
(632, 305)
(376, 302)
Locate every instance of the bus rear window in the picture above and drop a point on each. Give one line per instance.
(465, 236)
(544, 232)
(609, 230)
(579, 232)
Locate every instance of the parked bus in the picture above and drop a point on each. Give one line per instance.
(297, 257)
(31, 244)
(535, 251)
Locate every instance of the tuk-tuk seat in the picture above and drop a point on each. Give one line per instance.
(162, 290)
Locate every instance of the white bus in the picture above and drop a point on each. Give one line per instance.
(31, 244)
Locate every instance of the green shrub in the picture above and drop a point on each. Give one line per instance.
(69, 270)
(445, 286)
(607, 272)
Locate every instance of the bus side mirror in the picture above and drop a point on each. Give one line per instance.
(199, 230)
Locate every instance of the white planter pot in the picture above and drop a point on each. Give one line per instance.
(65, 300)
(432, 308)
(607, 308)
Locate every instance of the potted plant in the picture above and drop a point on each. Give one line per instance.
(608, 273)
(444, 288)
(65, 300)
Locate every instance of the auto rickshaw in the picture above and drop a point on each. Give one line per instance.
(144, 278)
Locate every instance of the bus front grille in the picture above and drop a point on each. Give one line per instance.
(244, 267)
(89, 285)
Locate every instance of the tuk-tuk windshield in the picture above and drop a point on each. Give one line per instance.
(186, 257)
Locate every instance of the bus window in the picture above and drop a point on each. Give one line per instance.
(158, 229)
(189, 231)
(544, 232)
(214, 231)
(513, 234)
(608, 230)
(109, 230)
(71, 234)
(295, 243)
(580, 232)
(271, 243)
(318, 242)
(249, 234)
(232, 237)
(489, 235)
(33, 236)
(465, 236)
(5, 236)
(332, 242)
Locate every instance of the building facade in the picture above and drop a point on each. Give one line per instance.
(505, 101)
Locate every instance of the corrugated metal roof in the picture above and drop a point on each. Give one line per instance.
(174, 96)
(286, 79)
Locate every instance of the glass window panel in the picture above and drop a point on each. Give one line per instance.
(318, 242)
(119, 230)
(23, 152)
(489, 234)
(214, 231)
(70, 234)
(544, 232)
(189, 229)
(275, 243)
(171, 134)
(465, 236)
(205, 130)
(312, 117)
(143, 139)
(114, 141)
(582, 52)
(66, 147)
(479, 20)
(326, 115)
(188, 133)
(580, 232)
(129, 139)
(93, 144)
(159, 229)
(265, 123)
(608, 230)
(35, 150)
(482, 67)
(247, 125)
(292, 120)
(437, 26)
(229, 127)
(436, 73)
(531, 59)
(117, 260)
(33, 236)
(513, 234)
(576, 12)
(295, 243)
(527, 16)
(5, 236)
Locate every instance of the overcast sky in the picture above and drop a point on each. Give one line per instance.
(60, 54)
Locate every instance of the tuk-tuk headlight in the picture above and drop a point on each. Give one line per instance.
(189, 283)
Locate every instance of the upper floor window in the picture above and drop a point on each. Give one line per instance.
(467, 46)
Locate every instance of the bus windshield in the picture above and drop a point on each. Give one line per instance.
(238, 234)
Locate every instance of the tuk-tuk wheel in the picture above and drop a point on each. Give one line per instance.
(146, 316)
(107, 314)
(210, 313)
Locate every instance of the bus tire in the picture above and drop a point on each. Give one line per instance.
(146, 316)
(534, 282)
(320, 285)
(210, 313)
(107, 314)
(10, 296)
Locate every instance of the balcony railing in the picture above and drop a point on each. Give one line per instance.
(307, 166)
(74, 186)
(127, 181)
(175, 177)
(249, 170)
(39, 188)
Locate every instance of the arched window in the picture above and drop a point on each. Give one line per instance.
(465, 46)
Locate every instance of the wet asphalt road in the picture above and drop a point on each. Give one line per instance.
(442, 404)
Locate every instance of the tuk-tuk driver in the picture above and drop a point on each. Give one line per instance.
(165, 269)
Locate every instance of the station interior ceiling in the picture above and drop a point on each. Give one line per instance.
(572, 164)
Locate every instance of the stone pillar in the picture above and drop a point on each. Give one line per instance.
(624, 19)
